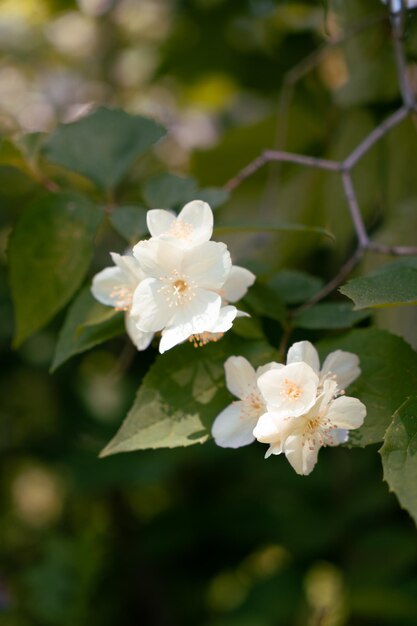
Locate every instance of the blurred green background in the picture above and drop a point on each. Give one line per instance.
(200, 536)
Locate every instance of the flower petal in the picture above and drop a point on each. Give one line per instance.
(200, 216)
(240, 376)
(345, 365)
(268, 366)
(346, 412)
(270, 429)
(159, 221)
(337, 437)
(208, 265)
(237, 283)
(150, 307)
(290, 390)
(158, 258)
(306, 352)
(106, 283)
(140, 339)
(302, 455)
(225, 320)
(231, 428)
(191, 319)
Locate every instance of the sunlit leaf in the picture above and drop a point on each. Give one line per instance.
(389, 376)
(50, 250)
(399, 456)
(181, 395)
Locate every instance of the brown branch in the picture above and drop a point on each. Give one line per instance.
(397, 27)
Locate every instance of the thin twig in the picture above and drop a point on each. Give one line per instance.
(337, 280)
(284, 157)
(354, 209)
(373, 137)
(397, 26)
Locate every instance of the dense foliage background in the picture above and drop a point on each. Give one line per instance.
(198, 535)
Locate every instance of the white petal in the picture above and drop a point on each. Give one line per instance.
(271, 429)
(225, 320)
(237, 283)
(290, 390)
(191, 319)
(346, 412)
(149, 306)
(231, 428)
(240, 376)
(208, 265)
(302, 455)
(106, 283)
(129, 265)
(345, 365)
(138, 337)
(199, 215)
(159, 221)
(158, 258)
(304, 351)
(337, 436)
(268, 366)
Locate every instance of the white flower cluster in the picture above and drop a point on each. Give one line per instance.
(178, 282)
(296, 408)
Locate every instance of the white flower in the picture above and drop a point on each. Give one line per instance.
(192, 227)
(237, 283)
(233, 427)
(181, 294)
(290, 390)
(300, 438)
(344, 366)
(114, 286)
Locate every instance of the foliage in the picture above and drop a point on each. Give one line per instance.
(213, 532)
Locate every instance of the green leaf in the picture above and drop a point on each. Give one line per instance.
(103, 145)
(266, 302)
(181, 395)
(167, 191)
(50, 251)
(399, 456)
(130, 222)
(329, 315)
(88, 323)
(389, 376)
(214, 196)
(272, 228)
(295, 287)
(30, 144)
(393, 285)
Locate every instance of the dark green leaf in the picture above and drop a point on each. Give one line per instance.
(88, 323)
(130, 222)
(389, 376)
(264, 301)
(295, 287)
(393, 286)
(271, 228)
(103, 145)
(214, 196)
(181, 395)
(167, 191)
(399, 456)
(50, 250)
(329, 315)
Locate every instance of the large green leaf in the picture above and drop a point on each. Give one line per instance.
(329, 315)
(294, 286)
(130, 222)
(392, 285)
(181, 395)
(389, 376)
(88, 323)
(50, 250)
(168, 191)
(103, 145)
(399, 456)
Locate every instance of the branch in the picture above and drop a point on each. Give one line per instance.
(397, 26)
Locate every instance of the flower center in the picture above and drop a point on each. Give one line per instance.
(202, 339)
(181, 229)
(122, 297)
(177, 289)
(253, 405)
(291, 390)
